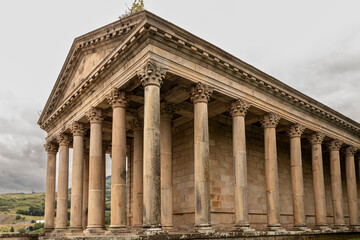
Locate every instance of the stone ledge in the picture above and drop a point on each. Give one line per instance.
(258, 235)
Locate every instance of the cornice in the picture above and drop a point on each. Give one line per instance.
(224, 61)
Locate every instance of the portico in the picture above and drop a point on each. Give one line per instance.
(217, 145)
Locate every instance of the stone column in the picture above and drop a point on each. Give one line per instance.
(151, 77)
(106, 145)
(336, 183)
(51, 150)
(269, 123)
(63, 181)
(137, 209)
(200, 96)
(96, 195)
(297, 181)
(166, 166)
(238, 111)
(351, 187)
(318, 178)
(85, 188)
(118, 102)
(78, 132)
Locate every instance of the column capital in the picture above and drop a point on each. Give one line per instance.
(350, 150)
(78, 129)
(167, 108)
(239, 107)
(316, 138)
(200, 93)
(95, 115)
(295, 130)
(63, 139)
(137, 124)
(151, 74)
(117, 98)
(335, 145)
(50, 147)
(270, 120)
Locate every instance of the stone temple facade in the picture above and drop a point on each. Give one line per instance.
(200, 142)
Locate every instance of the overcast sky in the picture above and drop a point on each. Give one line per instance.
(313, 46)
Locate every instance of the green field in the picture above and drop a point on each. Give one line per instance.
(12, 202)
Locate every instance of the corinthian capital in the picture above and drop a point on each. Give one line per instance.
(117, 98)
(94, 115)
(270, 120)
(316, 138)
(78, 129)
(351, 150)
(167, 108)
(151, 74)
(239, 107)
(63, 139)
(295, 130)
(50, 147)
(335, 145)
(200, 93)
(137, 124)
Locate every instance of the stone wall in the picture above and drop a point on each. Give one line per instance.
(221, 176)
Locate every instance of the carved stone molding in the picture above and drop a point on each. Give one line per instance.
(63, 139)
(151, 74)
(316, 138)
(270, 120)
(50, 147)
(137, 124)
(335, 145)
(117, 98)
(295, 130)
(351, 150)
(78, 129)
(239, 107)
(200, 93)
(95, 115)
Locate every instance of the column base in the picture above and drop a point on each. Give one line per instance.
(169, 228)
(152, 231)
(60, 230)
(340, 227)
(242, 228)
(204, 228)
(48, 230)
(78, 231)
(113, 229)
(354, 227)
(302, 228)
(275, 228)
(322, 227)
(94, 230)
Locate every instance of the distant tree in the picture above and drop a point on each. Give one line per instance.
(21, 230)
(12, 229)
(38, 226)
(33, 221)
(17, 217)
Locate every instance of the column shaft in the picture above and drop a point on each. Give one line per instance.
(62, 196)
(318, 180)
(138, 175)
(50, 187)
(336, 183)
(77, 177)
(351, 187)
(238, 111)
(152, 201)
(166, 170)
(118, 102)
(85, 189)
(96, 184)
(297, 181)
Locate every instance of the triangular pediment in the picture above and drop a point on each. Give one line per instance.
(86, 53)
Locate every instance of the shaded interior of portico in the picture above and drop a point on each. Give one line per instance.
(176, 90)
